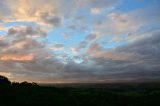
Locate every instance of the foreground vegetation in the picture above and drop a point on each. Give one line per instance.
(28, 94)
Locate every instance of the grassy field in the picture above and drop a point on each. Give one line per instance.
(82, 95)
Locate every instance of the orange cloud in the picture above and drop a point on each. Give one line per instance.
(17, 57)
(29, 11)
(74, 50)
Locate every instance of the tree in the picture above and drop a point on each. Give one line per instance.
(5, 85)
(4, 80)
(27, 84)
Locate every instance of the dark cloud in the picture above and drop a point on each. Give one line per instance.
(21, 40)
(148, 46)
(55, 21)
(3, 43)
(91, 37)
(23, 31)
(144, 67)
(52, 20)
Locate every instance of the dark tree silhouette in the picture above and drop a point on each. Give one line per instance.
(24, 84)
(15, 84)
(5, 85)
(4, 80)
(27, 84)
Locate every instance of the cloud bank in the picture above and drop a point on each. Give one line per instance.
(62, 41)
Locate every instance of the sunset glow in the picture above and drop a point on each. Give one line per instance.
(27, 57)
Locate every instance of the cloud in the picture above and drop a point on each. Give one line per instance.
(144, 66)
(26, 54)
(94, 48)
(127, 26)
(19, 57)
(57, 47)
(4, 9)
(21, 53)
(22, 40)
(3, 43)
(109, 65)
(52, 20)
(147, 46)
(24, 31)
(74, 50)
(95, 11)
(66, 35)
(20, 43)
(82, 44)
(91, 37)
(96, 51)
(46, 15)
(122, 22)
(7, 74)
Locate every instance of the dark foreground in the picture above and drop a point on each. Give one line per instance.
(82, 95)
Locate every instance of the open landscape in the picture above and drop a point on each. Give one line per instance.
(120, 94)
(79, 52)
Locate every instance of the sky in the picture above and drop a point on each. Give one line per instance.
(80, 41)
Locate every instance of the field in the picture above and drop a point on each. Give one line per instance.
(82, 95)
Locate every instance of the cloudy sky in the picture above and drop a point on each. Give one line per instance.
(63, 41)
